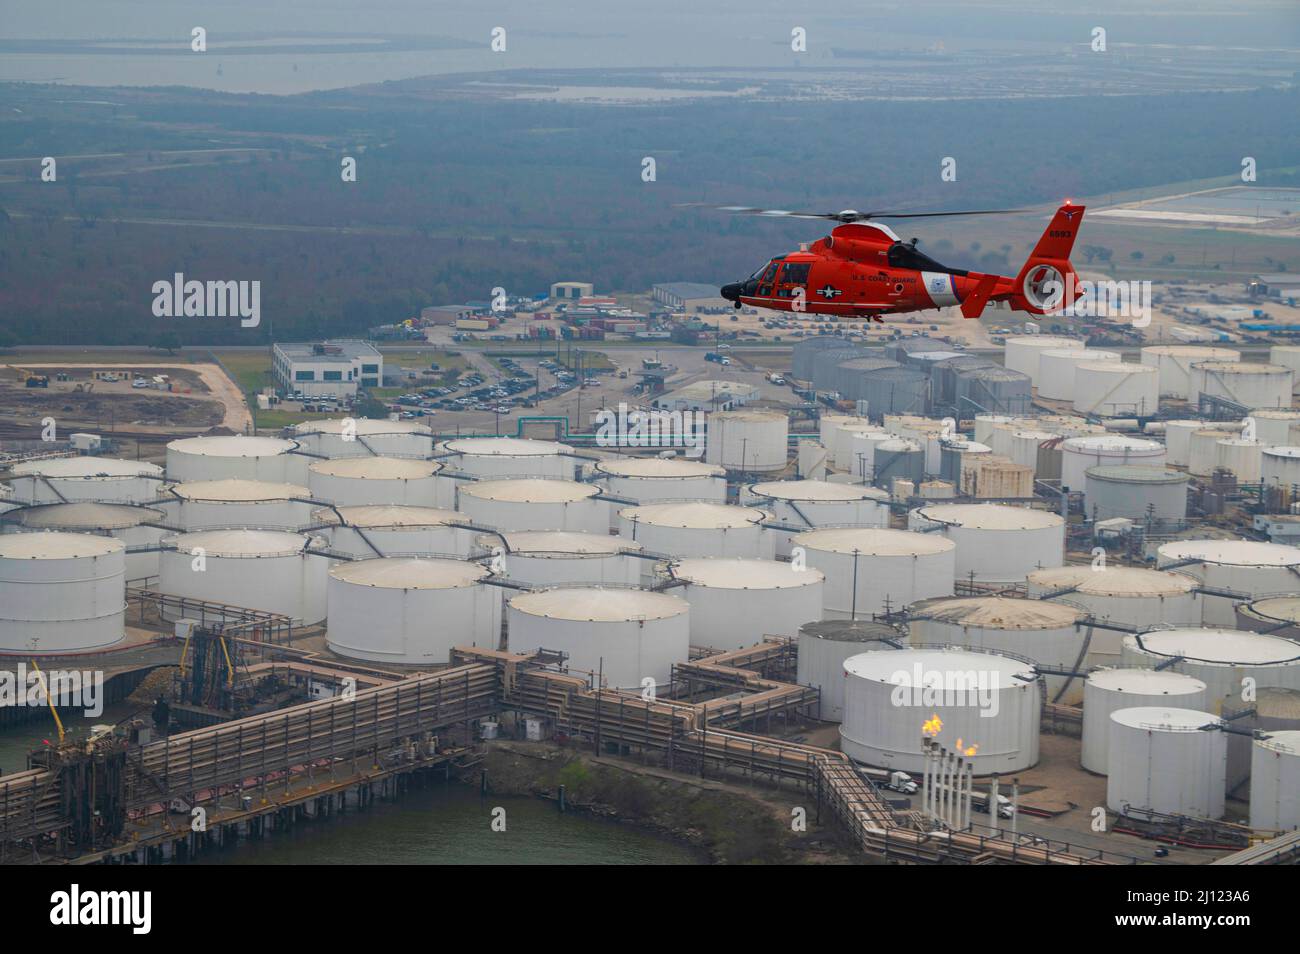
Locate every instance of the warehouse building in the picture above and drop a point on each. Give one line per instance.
(332, 369)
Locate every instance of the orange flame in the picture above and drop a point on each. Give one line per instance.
(967, 750)
(932, 725)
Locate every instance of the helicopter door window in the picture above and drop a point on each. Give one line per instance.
(765, 283)
(794, 275)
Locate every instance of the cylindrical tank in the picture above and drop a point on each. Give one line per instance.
(1178, 441)
(1268, 710)
(631, 638)
(86, 479)
(352, 481)
(503, 457)
(698, 530)
(898, 459)
(1056, 370)
(988, 708)
(1132, 597)
(829, 424)
(1106, 691)
(747, 440)
(1273, 424)
(1221, 658)
(958, 454)
(817, 503)
(267, 570)
(1024, 351)
(1275, 782)
(985, 424)
(869, 570)
(1280, 466)
(657, 479)
(532, 503)
(1174, 363)
(735, 603)
(825, 644)
(1080, 453)
(383, 530)
(851, 377)
(213, 504)
(1166, 760)
(1248, 567)
(1024, 446)
(857, 450)
(60, 592)
(134, 526)
(239, 456)
(1203, 449)
(364, 437)
(807, 349)
(1251, 385)
(1116, 389)
(1136, 492)
(411, 611)
(1047, 633)
(1279, 615)
(825, 365)
(1240, 457)
(544, 558)
(1000, 389)
(894, 391)
(995, 543)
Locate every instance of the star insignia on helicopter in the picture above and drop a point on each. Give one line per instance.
(829, 291)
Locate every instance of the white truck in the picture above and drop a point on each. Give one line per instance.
(902, 782)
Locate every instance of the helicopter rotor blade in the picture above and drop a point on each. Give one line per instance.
(847, 216)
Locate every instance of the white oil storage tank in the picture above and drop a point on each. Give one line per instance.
(996, 543)
(1178, 440)
(411, 611)
(234, 502)
(809, 504)
(870, 569)
(1116, 389)
(984, 705)
(1024, 351)
(1166, 760)
(1275, 782)
(1108, 690)
(401, 481)
(138, 528)
(384, 530)
(1048, 634)
(631, 638)
(504, 457)
(736, 602)
(1248, 567)
(657, 479)
(1203, 449)
(1273, 424)
(533, 503)
(545, 558)
(1280, 467)
(747, 440)
(1139, 493)
(1220, 658)
(1134, 598)
(1250, 385)
(1173, 363)
(240, 456)
(267, 570)
(60, 592)
(1056, 370)
(1094, 450)
(1240, 457)
(364, 437)
(698, 530)
(88, 479)
(825, 644)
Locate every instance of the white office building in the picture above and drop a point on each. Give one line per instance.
(333, 369)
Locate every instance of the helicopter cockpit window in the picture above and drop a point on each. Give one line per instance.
(796, 273)
(905, 255)
(769, 275)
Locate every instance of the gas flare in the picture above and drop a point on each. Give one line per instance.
(932, 726)
(967, 750)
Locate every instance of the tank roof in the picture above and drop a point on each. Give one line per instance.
(873, 541)
(564, 543)
(1164, 719)
(851, 631)
(505, 447)
(365, 426)
(658, 467)
(239, 543)
(234, 445)
(599, 604)
(85, 516)
(1147, 682)
(998, 612)
(376, 468)
(410, 573)
(1241, 367)
(87, 467)
(1284, 741)
(900, 667)
(530, 490)
(817, 491)
(736, 573)
(1231, 552)
(691, 515)
(236, 490)
(1115, 580)
(1136, 474)
(750, 415)
(1220, 646)
(52, 545)
(990, 516)
(389, 515)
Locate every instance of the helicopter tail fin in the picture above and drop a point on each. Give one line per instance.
(1047, 282)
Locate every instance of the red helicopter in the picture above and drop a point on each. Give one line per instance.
(864, 270)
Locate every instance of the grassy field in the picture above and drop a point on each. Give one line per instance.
(251, 369)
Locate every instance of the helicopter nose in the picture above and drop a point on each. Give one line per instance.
(731, 292)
